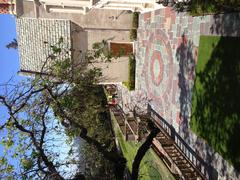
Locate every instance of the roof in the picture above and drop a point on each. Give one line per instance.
(32, 35)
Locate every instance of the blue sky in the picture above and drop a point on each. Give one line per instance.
(9, 63)
(9, 66)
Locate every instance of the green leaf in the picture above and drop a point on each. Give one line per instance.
(60, 40)
(34, 154)
(27, 164)
(9, 168)
(9, 143)
(3, 160)
(56, 49)
(9, 125)
(15, 155)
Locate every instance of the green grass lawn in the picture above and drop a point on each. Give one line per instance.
(151, 168)
(216, 96)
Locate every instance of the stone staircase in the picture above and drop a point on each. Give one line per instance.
(128, 125)
(164, 144)
(176, 158)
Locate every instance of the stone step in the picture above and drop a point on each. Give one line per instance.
(183, 166)
(129, 131)
(161, 138)
(121, 124)
(188, 170)
(171, 150)
(119, 120)
(190, 175)
(131, 119)
(195, 178)
(166, 142)
(179, 162)
(173, 155)
(177, 158)
(130, 137)
(160, 134)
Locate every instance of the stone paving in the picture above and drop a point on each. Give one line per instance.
(166, 56)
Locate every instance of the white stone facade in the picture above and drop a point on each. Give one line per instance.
(84, 6)
(131, 5)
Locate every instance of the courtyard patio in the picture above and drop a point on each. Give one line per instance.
(166, 56)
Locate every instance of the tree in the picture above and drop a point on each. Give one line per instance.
(29, 107)
(73, 98)
(13, 44)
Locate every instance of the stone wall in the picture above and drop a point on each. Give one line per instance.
(96, 25)
(115, 71)
(96, 18)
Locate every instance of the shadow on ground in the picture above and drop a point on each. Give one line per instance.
(226, 24)
(216, 107)
(186, 54)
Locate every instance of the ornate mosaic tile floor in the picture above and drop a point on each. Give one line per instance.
(166, 56)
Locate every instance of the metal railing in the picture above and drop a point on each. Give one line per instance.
(189, 153)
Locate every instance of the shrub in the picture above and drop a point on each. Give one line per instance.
(135, 20)
(131, 68)
(133, 31)
(133, 34)
(130, 84)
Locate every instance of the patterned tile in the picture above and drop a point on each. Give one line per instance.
(166, 59)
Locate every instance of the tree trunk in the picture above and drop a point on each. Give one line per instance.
(141, 152)
(113, 156)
